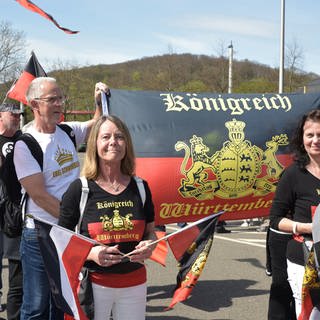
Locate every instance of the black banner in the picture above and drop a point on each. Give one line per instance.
(202, 153)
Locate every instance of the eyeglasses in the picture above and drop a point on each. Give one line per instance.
(16, 115)
(52, 100)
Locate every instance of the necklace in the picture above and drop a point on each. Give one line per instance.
(106, 184)
(115, 187)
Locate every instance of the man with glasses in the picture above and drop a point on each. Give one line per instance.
(9, 132)
(45, 187)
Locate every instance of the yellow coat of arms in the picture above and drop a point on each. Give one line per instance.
(236, 167)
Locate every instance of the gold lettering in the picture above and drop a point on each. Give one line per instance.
(268, 106)
(176, 209)
(116, 237)
(66, 169)
(114, 204)
(245, 103)
(174, 103)
(208, 101)
(165, 210)
(236, 106)
(195, 103)
(57, 173)
(99, 205)
(256, 102)
(285, 102)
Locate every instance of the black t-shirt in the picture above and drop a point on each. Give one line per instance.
(297, 191)
(11, 246)
(110, 219)
(6, 145)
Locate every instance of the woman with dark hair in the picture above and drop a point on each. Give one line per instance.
(297, 192)
(281, 302)
(116, 216)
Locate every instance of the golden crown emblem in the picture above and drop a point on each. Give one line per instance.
(195, 140)
(63, 156)
(235, 126)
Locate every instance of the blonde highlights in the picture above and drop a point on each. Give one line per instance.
(91, 162)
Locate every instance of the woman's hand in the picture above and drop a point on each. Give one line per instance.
(142, 251)
(105, 256)
(304, 228)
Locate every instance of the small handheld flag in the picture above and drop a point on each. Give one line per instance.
(192, 254)
(64, 253)
(159, 254)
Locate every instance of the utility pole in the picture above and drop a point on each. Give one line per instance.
(281, 66)
(230, 67)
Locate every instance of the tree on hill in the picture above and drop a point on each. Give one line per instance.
(12, 55)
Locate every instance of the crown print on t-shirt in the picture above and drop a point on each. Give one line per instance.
(117, 222)
(63, 156)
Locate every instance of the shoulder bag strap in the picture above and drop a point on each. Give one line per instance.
(141, 188)
(69, 131)
(83, 200)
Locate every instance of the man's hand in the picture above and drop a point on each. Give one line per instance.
(100, 87)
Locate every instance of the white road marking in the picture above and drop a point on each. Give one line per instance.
(250, 242)
(253, 240)
(247, 241)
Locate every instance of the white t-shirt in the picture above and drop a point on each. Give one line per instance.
(61, 165)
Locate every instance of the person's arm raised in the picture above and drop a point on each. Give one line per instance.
(99, 87)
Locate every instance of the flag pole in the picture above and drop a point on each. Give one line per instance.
(65, 229)
(183, 229)
(123, 255)
(104, 103)
(282, 36)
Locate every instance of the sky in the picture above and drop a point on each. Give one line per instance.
(118, 31)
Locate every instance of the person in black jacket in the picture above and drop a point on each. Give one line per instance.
(296, 195)
(281, 302)
(9, 131)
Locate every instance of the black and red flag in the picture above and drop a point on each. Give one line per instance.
(191, 249)
(212, 151)
(31, 71)
(32, 7)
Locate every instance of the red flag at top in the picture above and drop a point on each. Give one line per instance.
(32, 7)
(31, 71)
